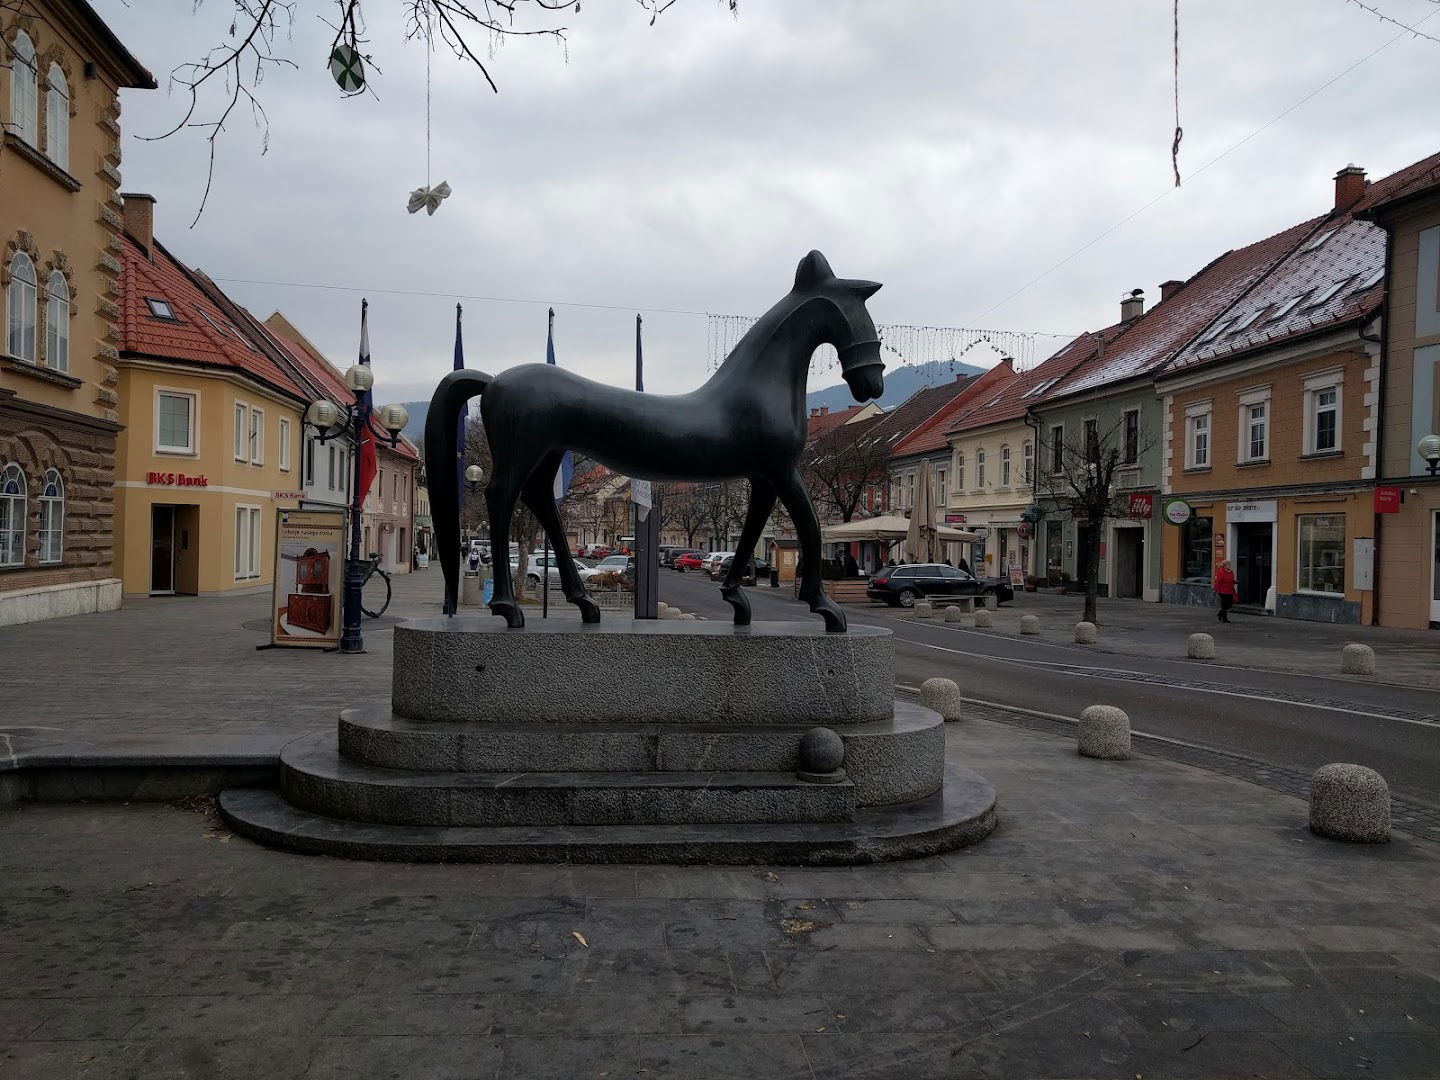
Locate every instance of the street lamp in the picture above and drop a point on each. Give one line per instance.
(331, 421)
(473, 475)
(1429, 449)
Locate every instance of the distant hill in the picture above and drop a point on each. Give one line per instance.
(900, 383)
(415, 429)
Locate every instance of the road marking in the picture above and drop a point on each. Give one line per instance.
(1145, 678)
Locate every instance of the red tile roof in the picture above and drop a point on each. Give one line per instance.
(1010, 398)
(901, 421)
(823, 423)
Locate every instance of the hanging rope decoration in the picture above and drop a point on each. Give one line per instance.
(428, 197)
(1179, 131)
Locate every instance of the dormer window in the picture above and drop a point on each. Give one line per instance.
(160, 309)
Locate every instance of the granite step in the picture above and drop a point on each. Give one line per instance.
(315, 777)
(892, 760)
(961, 813)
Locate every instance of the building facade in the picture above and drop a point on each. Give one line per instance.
(386, 523)
(59, 270)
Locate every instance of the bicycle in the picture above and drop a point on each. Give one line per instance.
(375, 598)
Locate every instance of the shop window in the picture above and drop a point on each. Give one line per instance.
(57, 323)
(24, 90)
(52, 517)
(174, 422)
(57, 118)
(12, 516)
(247, 542)
(1196, 550)
(1322, 553)
(20, 300)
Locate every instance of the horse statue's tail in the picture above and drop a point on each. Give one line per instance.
(443, 466)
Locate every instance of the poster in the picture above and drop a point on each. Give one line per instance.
(309, 564)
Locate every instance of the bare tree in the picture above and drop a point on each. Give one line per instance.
(843, 465)
(722, 505)
(679, 509)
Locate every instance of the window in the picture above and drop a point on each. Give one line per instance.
(160, 308)
(1057, 449)
(1323, 428)
(1197, 436)
(1131, 427)
(20, 302)
(57, 323)
(1329, 292)
(331, 482)
(940, 487)
(12, 516)
(57, 118)
(174, 422)
(1319, 241)
(909, 489)
(1255, 425)
(1027, 462)
(217, 327)
(1196, 551)
(247, 542)
(959, 470)
(1245, 322)
(1005, 466)
(284, 444)
(1287, 307)
(52, 517)
(24, 91)
(309, 462)
(1322, 553)
(256, 445)
(980, 468)
(1092, 440)
(242, 419)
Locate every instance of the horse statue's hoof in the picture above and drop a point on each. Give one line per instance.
(510, 612)
(834, 617)
(589, 610)
(736, 598)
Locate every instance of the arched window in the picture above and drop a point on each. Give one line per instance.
(52, 517)
(12, 516)
(57, 323)
(20, 306)
(24, 96)
(57, 118)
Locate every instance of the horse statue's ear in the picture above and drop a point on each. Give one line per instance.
(863, 289)
(813, 269)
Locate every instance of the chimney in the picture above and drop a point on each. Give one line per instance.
(814, 412)
(1132, 306)
(139, 215)
(1169, 289)
(824, 410)
(1349, 186)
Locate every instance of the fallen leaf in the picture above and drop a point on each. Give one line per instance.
(797, 926)
(580, 938)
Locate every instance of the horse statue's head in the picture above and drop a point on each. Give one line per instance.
(851, 330)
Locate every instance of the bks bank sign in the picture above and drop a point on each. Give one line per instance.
(171, 479)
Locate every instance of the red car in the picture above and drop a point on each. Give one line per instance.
(691, 560)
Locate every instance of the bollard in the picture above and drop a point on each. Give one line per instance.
(1201, 647)
(1085, 633)
(669, 613)
(1357, 660)
(1029, 624)
(1104, 733)
(1350, 802)
(953, 614)
(983, 619)
(924, 609)
(942, 695)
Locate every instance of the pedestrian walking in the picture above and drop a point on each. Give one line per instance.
(1225, 589)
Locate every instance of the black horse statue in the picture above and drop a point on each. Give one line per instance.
(749, 420)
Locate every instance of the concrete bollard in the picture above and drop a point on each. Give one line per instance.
(1104, 733)
(953, 614)
(983, 619)
(1350, 802)
(924, 609)
(1357, 660)
(1201, 647)
(669, 613)
(1029, 624)
(689, 616)
(942, 695)
(660, 605)
(1085, 633)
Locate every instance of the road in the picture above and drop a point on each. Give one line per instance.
(1298, 721)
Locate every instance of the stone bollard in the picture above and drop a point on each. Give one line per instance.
(660, 605)
(1357, 660)
(1104, 733)
(1029, 624)
(689, 616)
(953, 614)
(942, 695)
(1201, 647)
(1350, 802)
(983, 619)
(924, 609)
(1085, 633)
(669, 613)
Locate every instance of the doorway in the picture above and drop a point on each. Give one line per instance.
(162, 550)
(1253, 540)
(187, 550)
(1129, 563)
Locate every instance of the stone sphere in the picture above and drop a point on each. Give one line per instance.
(1350, 802)
(1200, 647)
(669, 613)
(983, 618)
(1029, 624)
(1104, 733)
(1357, 660)
(1085, 633)
(821, 751)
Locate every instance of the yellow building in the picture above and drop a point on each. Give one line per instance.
(59, 260)
(212, 433)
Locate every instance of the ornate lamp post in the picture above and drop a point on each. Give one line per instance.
(331, 422)
(1429, 449)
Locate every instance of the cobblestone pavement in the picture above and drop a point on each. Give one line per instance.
(1141, 918)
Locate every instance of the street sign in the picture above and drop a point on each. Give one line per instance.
(954, 519)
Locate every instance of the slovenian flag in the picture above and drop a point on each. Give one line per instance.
(567, 463)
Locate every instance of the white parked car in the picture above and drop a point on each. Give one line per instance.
(552, 569)
(712, 564)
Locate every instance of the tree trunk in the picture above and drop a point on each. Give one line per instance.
(1092, 570)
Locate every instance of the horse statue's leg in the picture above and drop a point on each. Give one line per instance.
(762, 501)
(797, 501)
(500, 496)
(539, 496)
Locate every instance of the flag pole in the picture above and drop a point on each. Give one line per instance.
(545, 549)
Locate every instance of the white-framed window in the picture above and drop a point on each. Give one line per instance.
(175, 413)
(12, 515)
(57, 118)
(1197, 436)
(284, 454)
(1254, 426)
(52, 517)
(1057, 449)
(160, 309)
(980, 467)
(256, 443)
(909, 488)
(20, 301)
(331, 482)
(309, 462)
(1027, 462)
(242, 423)
(1322, 553)
(1005, 466)
(24, 90)
(1322, 412)
(57, 323)
(247, 542)
(940, 487)
(960, 470)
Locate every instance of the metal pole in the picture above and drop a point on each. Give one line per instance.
(545, 580)
(351, 639)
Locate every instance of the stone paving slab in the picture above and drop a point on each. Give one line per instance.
(1126, 918)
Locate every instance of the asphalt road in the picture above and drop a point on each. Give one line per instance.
(1298, 721)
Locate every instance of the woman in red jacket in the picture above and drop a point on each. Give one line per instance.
(1225, 589)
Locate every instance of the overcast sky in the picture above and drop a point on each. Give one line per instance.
(953, 151)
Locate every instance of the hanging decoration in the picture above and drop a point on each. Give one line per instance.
(428, 197)
(347, 69)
